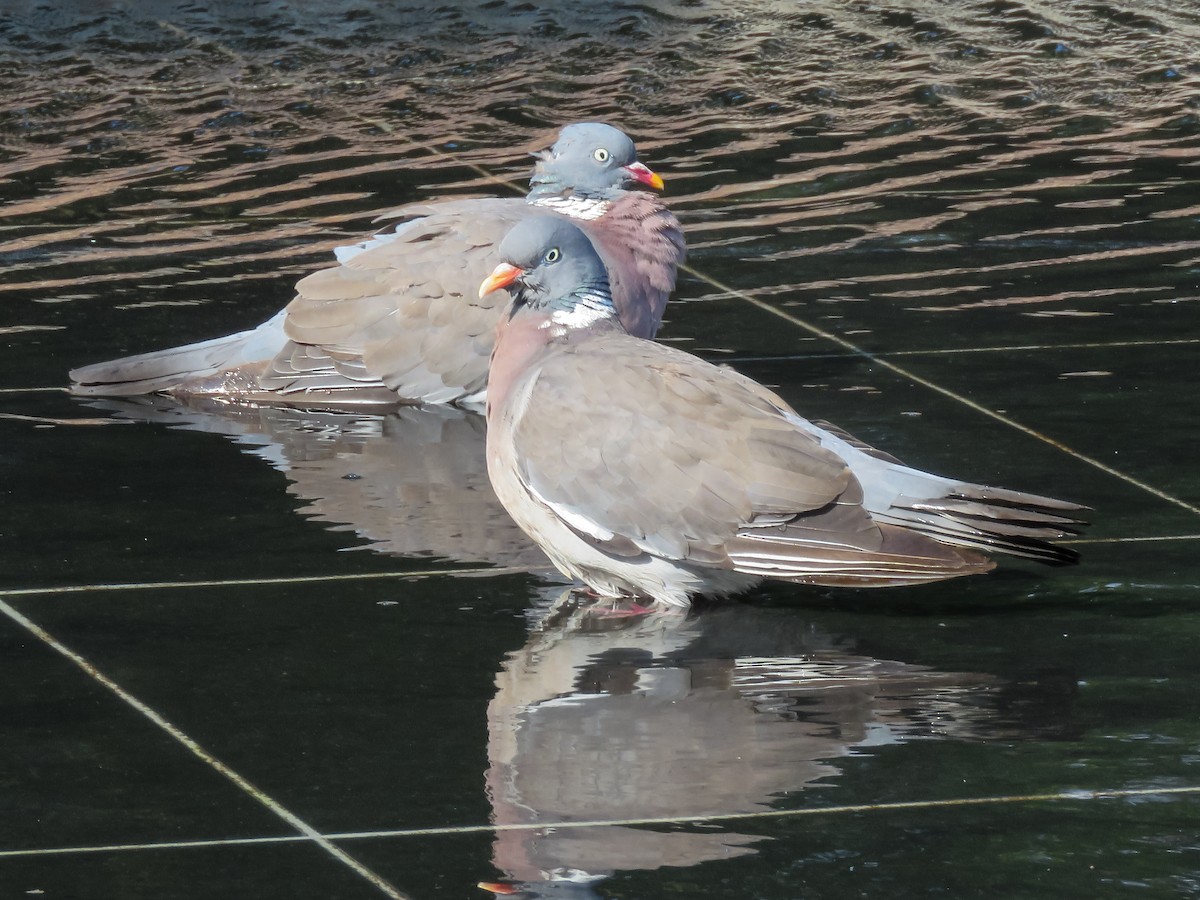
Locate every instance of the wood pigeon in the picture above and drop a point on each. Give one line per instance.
(645, 471)
(398, 319)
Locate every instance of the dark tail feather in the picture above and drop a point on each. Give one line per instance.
(987, 519)
(995, 520)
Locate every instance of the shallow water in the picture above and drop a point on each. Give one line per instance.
(967, 232)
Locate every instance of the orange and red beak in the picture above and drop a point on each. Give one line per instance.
(642, 173)
(502, 276)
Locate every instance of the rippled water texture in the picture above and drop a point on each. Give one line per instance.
(967, 232)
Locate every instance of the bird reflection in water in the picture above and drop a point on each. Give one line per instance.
(613, 718)
(723, 711)
(411, 483)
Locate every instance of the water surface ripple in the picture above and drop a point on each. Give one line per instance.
(906, 152)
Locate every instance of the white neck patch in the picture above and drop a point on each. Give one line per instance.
(585, 208)
(588, 310)
(579, 317)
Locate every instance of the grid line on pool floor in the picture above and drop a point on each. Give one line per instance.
(259, 582)
(306, 831)
(1065, 796)
(16, 593)
(955, 351)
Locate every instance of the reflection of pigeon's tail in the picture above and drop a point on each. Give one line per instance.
(187, 367)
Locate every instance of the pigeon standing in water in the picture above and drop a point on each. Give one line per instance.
(647, 472)
(398, 319)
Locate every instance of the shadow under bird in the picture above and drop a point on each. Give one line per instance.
(398, 319)
(645, 471)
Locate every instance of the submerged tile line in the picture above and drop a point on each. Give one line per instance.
(1076, 796)
(13, 593)
(255, 582)
(157, 845)
(1079, 345)
(818, 811)
(956, 351)
(307, 832)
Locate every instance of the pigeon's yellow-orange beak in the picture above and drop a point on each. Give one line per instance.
(644, 175)
(502, 276)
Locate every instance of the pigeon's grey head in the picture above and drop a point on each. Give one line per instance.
(589, 159)
(551, 266)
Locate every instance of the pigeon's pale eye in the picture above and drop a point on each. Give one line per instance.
(552, 255)
(600, 155)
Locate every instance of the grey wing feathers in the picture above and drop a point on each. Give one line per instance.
(403, 307)
(894, 558)
(842, 545)
(673, 465)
